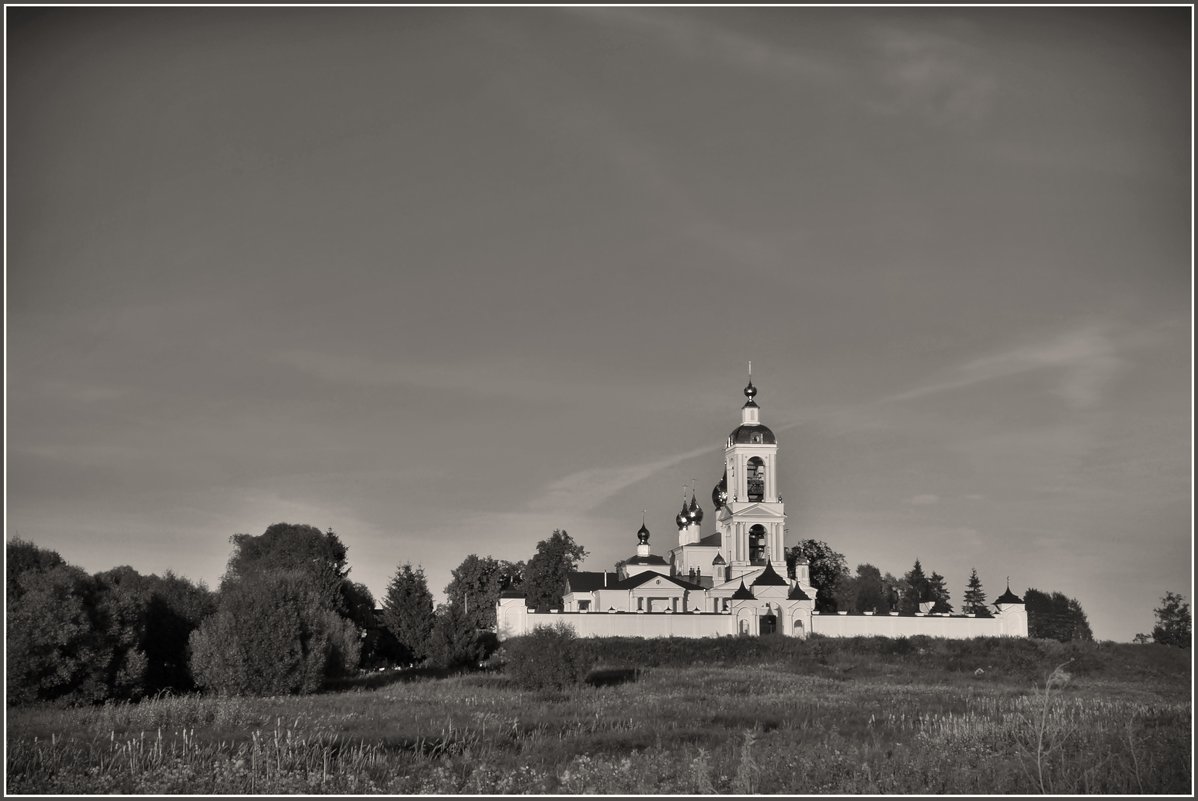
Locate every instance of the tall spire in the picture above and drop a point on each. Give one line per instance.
(750, 390)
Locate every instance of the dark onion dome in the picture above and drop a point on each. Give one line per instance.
(682, 519)
(719, 559)
(752, 434)
(1008, 597)
(695, 512)
(769, 577)
(750, 393)
(719, 493)
(743, 593)
(797, 594)
(642, 534)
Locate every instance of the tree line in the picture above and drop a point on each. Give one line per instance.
(286, 618)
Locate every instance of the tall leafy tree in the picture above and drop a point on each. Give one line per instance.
(864, 592)
(475, 587)
(545, 573)
(1173, 623)
(974, 599)
(826, 567)
(408, 612)
(938, 593)
(1055, 616)
(916, 589)
(287, 547)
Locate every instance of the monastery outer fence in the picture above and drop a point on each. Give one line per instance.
(515, 619)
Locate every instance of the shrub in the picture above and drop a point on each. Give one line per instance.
(546, 659)
(272, 636)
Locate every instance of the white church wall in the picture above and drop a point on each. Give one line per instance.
(954, 627)
(632, 624)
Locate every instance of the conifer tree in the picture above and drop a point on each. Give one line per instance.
(938, 592)
(916, 589)
(974, 600)
(408, 612)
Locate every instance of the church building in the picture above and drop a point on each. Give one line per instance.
(727, 582)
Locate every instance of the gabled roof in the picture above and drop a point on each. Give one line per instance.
(711, 541)
(583, 581)
(797, 594)
(769, 577)
(719, 559)
(743, 593)
(651, 559)
(632, 582)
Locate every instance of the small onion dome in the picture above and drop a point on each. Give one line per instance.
(769, 577)
(1008, 597)
(797, 594)
(642, 534)
(695, 512)
(719, 559)
(743, 593)
(750, 393)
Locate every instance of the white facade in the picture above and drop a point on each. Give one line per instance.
(725, 584)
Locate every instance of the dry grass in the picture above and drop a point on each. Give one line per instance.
(764, 727)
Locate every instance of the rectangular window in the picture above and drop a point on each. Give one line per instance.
(640, 604)
(675, 604)
(584, 606)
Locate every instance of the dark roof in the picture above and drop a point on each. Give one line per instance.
(512, 594)
(632, 582)
(769, 578)
(651, 559)
(743, 593)
(711, 541)
(580, 581)
(1008, 597)
(719, 560)
(797, 594)
(746, 434)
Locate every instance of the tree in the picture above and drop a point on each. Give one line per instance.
(54, 648)
(293, 547)
(938, 593)
(1173, 624)
(455, 641)
(916, 589)
(826, 569)
(271, 636)
(476, 585)
(545, 573)
(974, 600)
(408, 612)
(865, 592)
(1054, 616)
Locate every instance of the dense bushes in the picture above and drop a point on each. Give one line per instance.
(274, 635)
(550, 658)
(80, 639)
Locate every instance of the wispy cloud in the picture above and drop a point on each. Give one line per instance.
(937, 75)
(1083, 362)
(585, 490)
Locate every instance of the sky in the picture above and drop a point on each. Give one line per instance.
(444, 280)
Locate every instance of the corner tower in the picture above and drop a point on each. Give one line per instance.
(752, 519)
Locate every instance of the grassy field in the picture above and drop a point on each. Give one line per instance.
(739, 716)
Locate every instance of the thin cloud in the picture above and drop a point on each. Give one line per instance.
(1084, 362)
(938, 76)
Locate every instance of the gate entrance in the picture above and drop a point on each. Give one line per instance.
(769, 624)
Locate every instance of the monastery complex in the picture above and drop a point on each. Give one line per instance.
(727, 583)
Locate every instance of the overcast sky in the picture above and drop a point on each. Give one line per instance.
(445, 280)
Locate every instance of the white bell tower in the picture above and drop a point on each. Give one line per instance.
(752, 521)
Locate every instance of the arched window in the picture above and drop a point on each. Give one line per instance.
(756, 479)
(757, 549)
